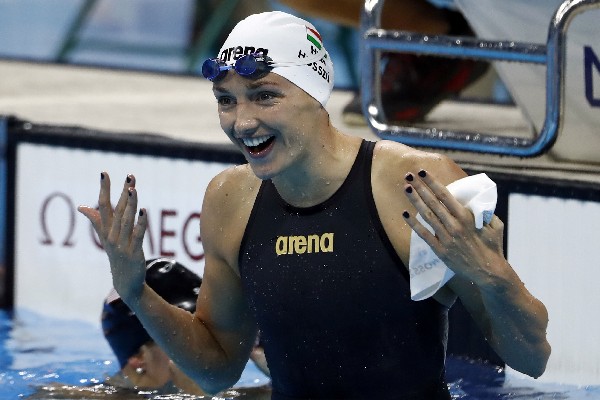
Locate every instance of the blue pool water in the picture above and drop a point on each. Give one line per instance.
(36, 350)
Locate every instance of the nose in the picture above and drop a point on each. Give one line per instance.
(246, 121)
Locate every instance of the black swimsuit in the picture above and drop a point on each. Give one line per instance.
(332, 299)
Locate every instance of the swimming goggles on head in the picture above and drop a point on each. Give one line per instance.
(251, 66)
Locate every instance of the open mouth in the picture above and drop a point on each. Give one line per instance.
(256, 145)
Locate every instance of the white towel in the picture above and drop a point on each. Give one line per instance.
(427, 272)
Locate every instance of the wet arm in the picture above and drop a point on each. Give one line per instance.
(212, 345)
(512, 319)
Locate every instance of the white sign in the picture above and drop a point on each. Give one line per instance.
(60, 268)
(553, 246)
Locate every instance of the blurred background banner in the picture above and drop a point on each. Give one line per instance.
(58, 266)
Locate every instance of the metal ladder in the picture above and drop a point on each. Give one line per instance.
(552, 54)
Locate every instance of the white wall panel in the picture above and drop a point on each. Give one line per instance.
(553, 245)
(59, 269)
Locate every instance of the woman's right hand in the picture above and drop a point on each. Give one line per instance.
(121, 237)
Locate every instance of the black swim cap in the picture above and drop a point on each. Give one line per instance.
(170, 280)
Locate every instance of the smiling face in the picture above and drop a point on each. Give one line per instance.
(272, 121)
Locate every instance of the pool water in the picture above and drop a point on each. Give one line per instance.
(37, 351)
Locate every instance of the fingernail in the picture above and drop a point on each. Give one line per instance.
(128, 179)
(130, 193)
(408, 189)
(405, 214)
(422, 173)
(141, 213)
(409, 177)
(101, 175)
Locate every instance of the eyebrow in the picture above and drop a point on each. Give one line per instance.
(259, 83)
(251, 85)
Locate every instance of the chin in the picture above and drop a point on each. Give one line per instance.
(264, 170)
(262, 174)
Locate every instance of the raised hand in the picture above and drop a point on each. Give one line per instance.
(473, 253)
(121, 236)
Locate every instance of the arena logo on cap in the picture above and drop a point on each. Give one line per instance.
(239, 51)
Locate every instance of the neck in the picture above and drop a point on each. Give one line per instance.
(320, 175)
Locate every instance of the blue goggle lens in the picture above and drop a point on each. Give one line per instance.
(211, 69)
(249, 66)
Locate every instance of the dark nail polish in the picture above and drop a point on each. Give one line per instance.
(422, 173)
(128, 179)
(141, 213)
(409, 177)
(408, 189)
(405, 214)
(130, 193)
(101, 175)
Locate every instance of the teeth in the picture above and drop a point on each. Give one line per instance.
(255, 141)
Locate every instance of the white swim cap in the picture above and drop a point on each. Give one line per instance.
(294, 46)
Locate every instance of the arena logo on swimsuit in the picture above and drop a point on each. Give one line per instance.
(304, 244)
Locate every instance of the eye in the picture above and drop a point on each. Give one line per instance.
(225, 101)
(266, 97)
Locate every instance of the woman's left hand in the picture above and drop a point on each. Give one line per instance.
(469, 252)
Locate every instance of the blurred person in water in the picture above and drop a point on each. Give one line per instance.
(143, 363)
(145, 369)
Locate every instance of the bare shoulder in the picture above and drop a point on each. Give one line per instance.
(393, 160)
(228, 201)
(230, 188)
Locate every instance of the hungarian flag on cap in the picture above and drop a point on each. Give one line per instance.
(313, 36)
